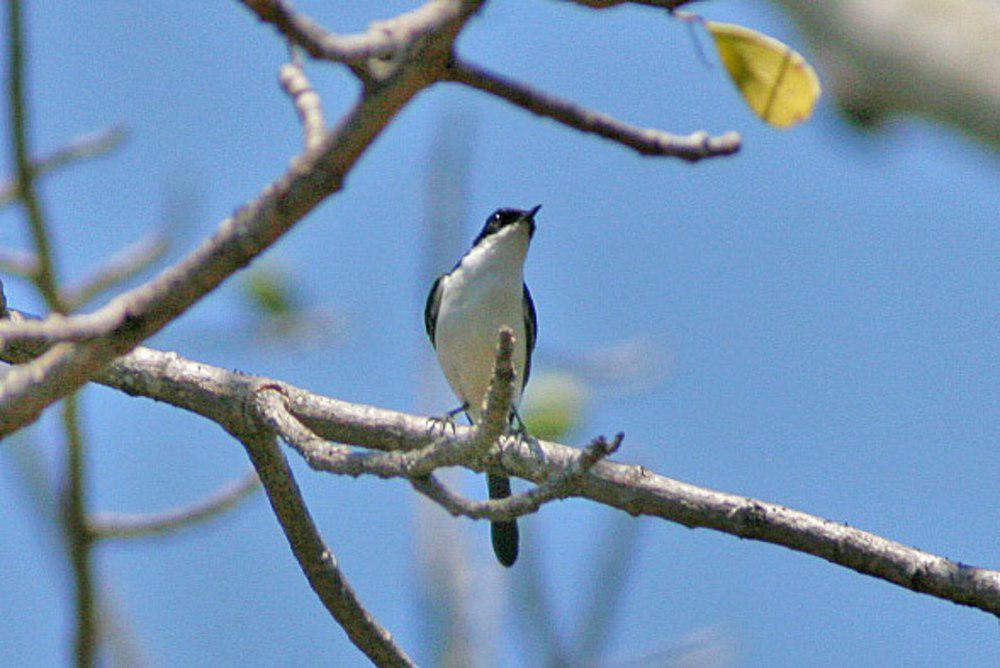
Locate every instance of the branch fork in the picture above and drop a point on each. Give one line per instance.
(479, 448)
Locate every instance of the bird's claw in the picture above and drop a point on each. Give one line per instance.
(442, 423)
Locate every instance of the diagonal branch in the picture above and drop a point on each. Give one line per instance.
(143, 311)
(121, 525)
(646, 141)
(120, 267)
(316, 560)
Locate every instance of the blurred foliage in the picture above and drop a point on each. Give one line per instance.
(554, 404)
(272, 292)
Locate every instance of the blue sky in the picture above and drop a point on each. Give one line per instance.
(826, 300)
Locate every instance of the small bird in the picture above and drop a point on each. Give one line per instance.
(464, 313)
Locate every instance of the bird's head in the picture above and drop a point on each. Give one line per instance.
(502, 219)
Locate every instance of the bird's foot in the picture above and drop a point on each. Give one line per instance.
(446, 421)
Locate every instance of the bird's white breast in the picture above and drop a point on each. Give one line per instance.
(482, 295)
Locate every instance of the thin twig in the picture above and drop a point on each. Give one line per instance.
(122, 266)
(306, 100)
(316, 560)
(88, 146)
(557, 486)
(647, 141)
(121, 525)
(74, 502)
(19, 138)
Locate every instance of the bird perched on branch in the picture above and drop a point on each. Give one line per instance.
(464, 313)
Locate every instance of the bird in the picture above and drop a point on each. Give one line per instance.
(465, 310)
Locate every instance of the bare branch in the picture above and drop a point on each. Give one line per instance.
(82, 148)
(78, 539)
(120, 525)
(307, 103)
(141, 312)
(221, 395)
(502, 510)
(45, 276)
(383, 38)
(605, 4)
(316, 560)
(270, 406)
(646, 141)
(127, 263)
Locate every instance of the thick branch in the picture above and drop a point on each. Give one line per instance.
(646, 141)
(221, 396)
(120, 525)
(382, 39)
(316, 560)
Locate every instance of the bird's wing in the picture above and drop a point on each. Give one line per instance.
(530, 332)
(431, 308)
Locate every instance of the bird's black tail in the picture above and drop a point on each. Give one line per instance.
(504, 534)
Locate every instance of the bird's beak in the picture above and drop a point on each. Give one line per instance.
(531, 214)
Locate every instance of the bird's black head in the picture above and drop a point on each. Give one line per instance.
(501, 218)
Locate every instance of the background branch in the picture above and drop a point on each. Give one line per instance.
(73, 493)
(122, 525)
(124, 265)
(88, 146)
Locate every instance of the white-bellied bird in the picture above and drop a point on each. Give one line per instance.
(464, 313)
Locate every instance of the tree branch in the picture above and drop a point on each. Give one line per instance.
(316, 560)
(226, 397)
(123, 265)
(512, 507)
(646, 141)
(45, 279)
(85, 147)
(306, 100)
(121, 525)
(19, 139)
(141, 312)
(382, 40)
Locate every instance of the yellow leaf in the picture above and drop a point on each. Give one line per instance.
(776, 82)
